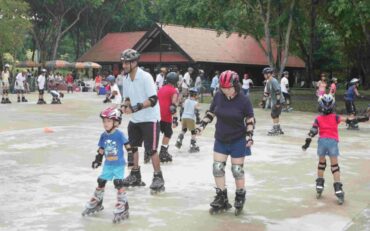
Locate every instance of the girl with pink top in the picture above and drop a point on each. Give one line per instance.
(321, 86)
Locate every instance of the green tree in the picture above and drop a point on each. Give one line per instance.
(351, 20)
(50, 22)
(14, 24)
(265, 20)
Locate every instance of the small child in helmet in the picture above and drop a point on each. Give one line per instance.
(326, 125)
(114, 96)
(110, 144)
(191, 108)
(56, 96)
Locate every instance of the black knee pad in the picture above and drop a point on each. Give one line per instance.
(184, 130)
(101, 183)
(321, 166)
(134, 149)
(151, 152)
(118, 184)
(335, 168)
(193, 132)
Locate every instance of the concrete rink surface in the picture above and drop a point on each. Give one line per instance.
(46, 176)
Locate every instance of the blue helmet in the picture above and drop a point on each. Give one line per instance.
(111, 79)
(326, 103)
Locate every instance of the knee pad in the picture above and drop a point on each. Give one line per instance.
(219, 169)
(238, 171)
(321, 166)
(193, 132)
(151, 152)
(118, 184)
(184, 130)
(134, 149)
(335, 168)
(101, 183)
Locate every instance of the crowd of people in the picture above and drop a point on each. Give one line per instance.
(26, 81)
(157, 105)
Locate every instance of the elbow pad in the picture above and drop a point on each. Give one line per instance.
(153, 100)
(313, 132)
(173, 109)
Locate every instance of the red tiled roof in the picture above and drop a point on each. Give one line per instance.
(166, 57)
(204, 45)
(109, 48)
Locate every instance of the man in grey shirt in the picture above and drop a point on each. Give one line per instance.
(273, 91)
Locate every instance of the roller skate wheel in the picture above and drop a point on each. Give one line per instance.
(237, 212)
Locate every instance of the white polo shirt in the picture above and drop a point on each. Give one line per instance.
(41, 82)
(139, 90)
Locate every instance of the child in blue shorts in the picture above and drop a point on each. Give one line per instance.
(111, 147)
(326, 125)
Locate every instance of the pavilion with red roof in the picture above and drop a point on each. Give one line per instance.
(183, 46)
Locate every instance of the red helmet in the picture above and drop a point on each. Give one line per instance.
(229, 79)
(111, 113)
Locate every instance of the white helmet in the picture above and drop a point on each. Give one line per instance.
(6, 65)
(43, 70)
(354, 81)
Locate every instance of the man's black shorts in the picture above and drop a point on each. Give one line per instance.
(147, 132)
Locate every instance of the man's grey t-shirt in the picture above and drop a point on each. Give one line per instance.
(272, 87)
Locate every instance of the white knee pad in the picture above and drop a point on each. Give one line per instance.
(219, 169)
(238, 171)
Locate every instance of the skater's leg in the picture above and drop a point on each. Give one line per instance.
(136, 139)
(121, 210)
(166, 129)
(335, 168)
(238, 172)
(219, 163)
(150, 133)
(155, 161)
(95, 204)
(321, 166)
(339, 193)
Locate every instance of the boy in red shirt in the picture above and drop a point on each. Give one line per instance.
(168, 100)
(326, 125)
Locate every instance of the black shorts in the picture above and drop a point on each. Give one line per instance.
(41, 91)
(275, 111)
(147, 132)
(166, 129)
(286, 97)
(350, 107)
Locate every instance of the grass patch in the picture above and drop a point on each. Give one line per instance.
(305, 100)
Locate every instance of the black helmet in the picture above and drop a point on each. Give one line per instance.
(130, 55)
(267, 70)
(172, 78)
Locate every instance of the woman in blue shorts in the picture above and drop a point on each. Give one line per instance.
(233, 137)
